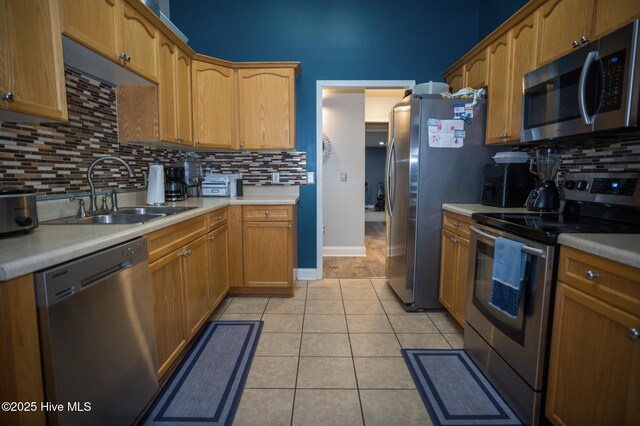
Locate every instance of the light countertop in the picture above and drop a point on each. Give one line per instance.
(50, 245)
(623, 248)
(469, 209)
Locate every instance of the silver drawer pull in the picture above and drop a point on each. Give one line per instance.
(453, 240)
(529, 250)
(590, 275)
(634, 333)
(211, 238)
(266, 213)
(456, 224)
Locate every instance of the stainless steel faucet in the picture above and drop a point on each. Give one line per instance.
(93, 198)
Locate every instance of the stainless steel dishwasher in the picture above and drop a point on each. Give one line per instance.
(98, 343)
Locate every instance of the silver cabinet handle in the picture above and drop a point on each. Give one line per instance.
(290, 226)
(634, 334)
(197, 143)
(182, 253)
(575, 43)
(453, 240)
(241, 144)
(591, 275)
(123, 56)
(189, 252)
(211, 238)
(584, 39)
(7, 96)
(218, 218)
(266, 213)
(456, 224)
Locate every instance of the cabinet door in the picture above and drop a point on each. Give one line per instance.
(218, 265)
(167, 90)
(475, 71)
(523, 60)
(183, 97)
(266, 108)
(139, 41)
(213, 111)
(31, 64)
(498, 93)
(561, 22)
(168, 308)
(594, 366)
(462, 274)
(196, 274)
(611, 15)
(92, 23)
(447, 270)
(267, 254)
(456, 80)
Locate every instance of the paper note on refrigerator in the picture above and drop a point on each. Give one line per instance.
(446, 133)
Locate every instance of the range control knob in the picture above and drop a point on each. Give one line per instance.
(24, 221)
(569, 184)
(581, 185)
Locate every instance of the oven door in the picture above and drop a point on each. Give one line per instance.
(521, 342)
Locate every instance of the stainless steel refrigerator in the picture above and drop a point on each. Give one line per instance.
(419, 179)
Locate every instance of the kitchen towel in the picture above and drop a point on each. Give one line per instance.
(509, 265)
(155, 185)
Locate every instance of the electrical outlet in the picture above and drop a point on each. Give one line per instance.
(275, 177)
(343, 176)
(311, 177)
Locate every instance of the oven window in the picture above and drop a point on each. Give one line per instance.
(514, 328)
(553, 101)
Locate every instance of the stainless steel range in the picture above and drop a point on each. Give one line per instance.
(513, 352)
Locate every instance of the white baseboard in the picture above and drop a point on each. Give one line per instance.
(340, 251)
(308, 274)
(369, 206)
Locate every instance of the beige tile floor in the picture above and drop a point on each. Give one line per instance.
(331, 355)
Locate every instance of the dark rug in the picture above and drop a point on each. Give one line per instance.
(207, 385)
(454, 391)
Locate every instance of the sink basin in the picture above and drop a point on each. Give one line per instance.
(125, 216)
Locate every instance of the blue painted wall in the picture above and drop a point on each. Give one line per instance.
(334, 40)
(495, 12)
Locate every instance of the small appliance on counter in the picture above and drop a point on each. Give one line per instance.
(192, 174)
(175, 187)
(506, 184)
(221, 185)
(18, 213)
(155, 186)
(545, 196)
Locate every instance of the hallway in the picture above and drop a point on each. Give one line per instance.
(373, 265)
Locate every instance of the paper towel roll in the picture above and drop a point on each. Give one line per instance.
(155, 188)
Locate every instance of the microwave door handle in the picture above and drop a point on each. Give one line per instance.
(582, 85)
(526, 249)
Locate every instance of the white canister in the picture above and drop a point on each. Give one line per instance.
(155, 187)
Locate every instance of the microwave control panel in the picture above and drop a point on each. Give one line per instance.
(612, 81)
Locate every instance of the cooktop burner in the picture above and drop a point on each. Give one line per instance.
(547, 226)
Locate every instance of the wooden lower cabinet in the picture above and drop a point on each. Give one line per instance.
(594, 365)
(454, 265)
(21, 378)
(167, 285)
(218, 264)
(267, 254)
(195, 264)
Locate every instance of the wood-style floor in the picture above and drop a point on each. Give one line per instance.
(361, 267)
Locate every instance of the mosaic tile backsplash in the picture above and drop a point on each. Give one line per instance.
(53, 157)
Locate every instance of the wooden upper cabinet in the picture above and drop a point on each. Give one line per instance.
(523, 60)
(610, 15)
(167, 90)
(266, 108)
(92, 23)
(183, 97)
(476, 70)
(456, 80)
(561, 23)
(138, 43)
(498, 114)
(213, 105)
(31, 64)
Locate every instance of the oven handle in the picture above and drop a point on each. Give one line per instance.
(526, 249)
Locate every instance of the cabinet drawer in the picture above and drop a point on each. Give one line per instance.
(168, 239)
(267, 213)
(457, 224)
(217, 218)
(604, 279)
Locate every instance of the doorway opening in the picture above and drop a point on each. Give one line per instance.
(352, 125)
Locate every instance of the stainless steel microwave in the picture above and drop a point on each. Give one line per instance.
(589, 94)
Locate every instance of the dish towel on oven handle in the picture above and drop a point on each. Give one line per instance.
(509, 265)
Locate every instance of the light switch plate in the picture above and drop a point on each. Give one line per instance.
(275, 177)
(343, 176)
(311, 177)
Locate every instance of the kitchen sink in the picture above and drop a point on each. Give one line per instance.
(124, 216)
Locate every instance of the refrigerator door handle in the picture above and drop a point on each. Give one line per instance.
(388, 183)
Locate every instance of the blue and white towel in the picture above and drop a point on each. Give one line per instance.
(509, 265)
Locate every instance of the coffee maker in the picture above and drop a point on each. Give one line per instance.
(175, 187)
(544, 197)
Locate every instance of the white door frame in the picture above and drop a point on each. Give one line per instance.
(310, 274)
